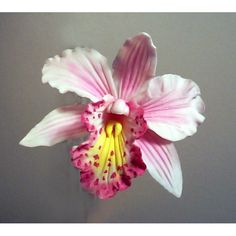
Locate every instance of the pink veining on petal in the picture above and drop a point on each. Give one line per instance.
(173, 107)
(134, 65)
(60, 124)
(82, 71)
(162, 161)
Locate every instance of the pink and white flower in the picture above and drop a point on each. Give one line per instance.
(132, 120)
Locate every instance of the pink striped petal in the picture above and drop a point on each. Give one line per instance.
(134, 65)
(173, 107)
(60, 124)
(162, 161)
(82, 71)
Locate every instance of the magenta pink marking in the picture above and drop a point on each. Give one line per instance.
(96, 157)
(97, 104)
(113, 175)
(78, 162)
(96, 164)
(96, 182)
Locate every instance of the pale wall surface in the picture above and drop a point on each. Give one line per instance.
(40, 184)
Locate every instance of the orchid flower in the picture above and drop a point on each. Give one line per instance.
(132, 120)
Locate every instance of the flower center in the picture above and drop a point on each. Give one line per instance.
(113, 128)
(119, 107)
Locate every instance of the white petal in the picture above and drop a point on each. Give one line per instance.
(173, 107)
(60, 124)
(162, 161)
(82, 71)
(134, 65)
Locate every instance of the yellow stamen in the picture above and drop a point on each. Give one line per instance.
(118, 129)
(108, 151)
(118, 149)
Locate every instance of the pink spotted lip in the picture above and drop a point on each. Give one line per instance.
(99, 185)
(105, 183)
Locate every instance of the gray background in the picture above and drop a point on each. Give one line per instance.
(40, 184)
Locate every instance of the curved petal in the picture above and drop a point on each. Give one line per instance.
(162, 161)
(134, 65)
(60, 124)
(173, 107)
(82, 71)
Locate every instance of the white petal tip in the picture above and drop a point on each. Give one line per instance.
(177, 191)
(25, 142)
(31, 142)
(145, 34)
(178, 194)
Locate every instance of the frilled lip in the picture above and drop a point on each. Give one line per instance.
(109, 159)
(107, 181)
